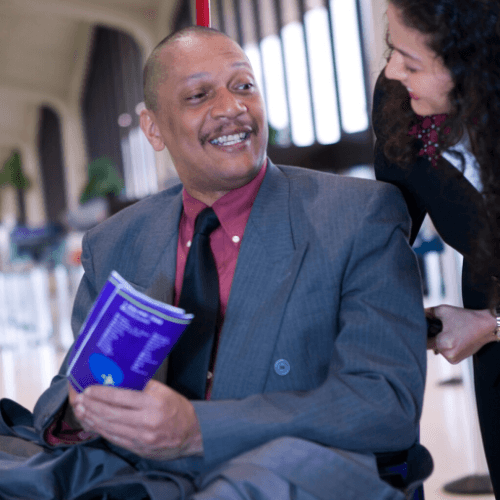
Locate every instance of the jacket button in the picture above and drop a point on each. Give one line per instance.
(282, 367)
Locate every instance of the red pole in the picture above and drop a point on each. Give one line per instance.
(203, 12)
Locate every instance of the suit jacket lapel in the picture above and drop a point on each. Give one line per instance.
(160, 280)
(268, 263)
(163, 284)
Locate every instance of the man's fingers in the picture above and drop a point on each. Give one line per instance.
(127, 433)
(111, 405)
(155, 387)
(109, 414)
(116, 432)
(72, 394)
(114, 396)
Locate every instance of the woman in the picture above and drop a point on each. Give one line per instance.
(437, 120)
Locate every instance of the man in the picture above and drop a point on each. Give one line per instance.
(320, 356)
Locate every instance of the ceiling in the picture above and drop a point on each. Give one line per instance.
(44, 49)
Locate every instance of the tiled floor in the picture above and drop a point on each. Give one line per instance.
(30, 358)
(449, 429)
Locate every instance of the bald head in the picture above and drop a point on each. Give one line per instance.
(155, 69)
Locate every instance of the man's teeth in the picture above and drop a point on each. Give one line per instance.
(229, 140)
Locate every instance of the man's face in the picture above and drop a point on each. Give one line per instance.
(211, 115)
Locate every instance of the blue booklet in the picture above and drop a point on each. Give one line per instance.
(125, 338)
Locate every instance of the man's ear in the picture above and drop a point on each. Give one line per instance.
(147, 121)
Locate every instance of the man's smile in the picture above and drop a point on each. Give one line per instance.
(231, 139)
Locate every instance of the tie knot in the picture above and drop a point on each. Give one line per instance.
(206, 222)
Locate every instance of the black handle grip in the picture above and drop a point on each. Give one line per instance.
(434, 326)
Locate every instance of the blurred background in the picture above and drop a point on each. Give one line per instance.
(72, 154)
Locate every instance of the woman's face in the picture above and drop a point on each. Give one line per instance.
(417, 67)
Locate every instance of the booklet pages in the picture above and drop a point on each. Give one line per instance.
(125, 338)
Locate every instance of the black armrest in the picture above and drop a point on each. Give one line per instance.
(407, 469)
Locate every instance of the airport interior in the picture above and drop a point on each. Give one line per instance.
(72, 154)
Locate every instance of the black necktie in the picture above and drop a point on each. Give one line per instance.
(189, 359)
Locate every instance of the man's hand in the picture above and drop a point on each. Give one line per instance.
(156, 423)
(464, 332)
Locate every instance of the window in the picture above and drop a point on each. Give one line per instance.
(309, 62)
(111, 105)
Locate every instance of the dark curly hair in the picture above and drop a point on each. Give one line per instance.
(466, 35)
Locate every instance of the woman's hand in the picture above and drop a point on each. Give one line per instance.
(464, 332)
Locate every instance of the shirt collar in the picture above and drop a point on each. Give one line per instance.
(232, 209)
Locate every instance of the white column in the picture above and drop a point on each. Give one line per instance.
(165, 168)
(8, 200)
(40, 291)
(35, 207)
(74, 155)
(8, 374)
(166, 10)
(63, 299)
(374, 22)
(34, 198)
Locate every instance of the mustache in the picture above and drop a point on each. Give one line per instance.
(221, 129)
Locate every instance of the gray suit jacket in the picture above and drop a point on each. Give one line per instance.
(324, 336)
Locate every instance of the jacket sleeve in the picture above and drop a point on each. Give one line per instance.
(53, 401)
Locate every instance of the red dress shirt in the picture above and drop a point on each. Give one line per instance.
(233, 210)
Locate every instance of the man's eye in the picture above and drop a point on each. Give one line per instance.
(245, 86)
(411, 70)
(197, 96)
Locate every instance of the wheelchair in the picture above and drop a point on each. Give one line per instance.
(406, 470)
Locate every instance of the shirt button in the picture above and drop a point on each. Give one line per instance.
(188, 244)
(209, 375)
(236, 239)
(282, 367)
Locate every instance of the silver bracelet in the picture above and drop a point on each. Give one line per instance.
(497, 329)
